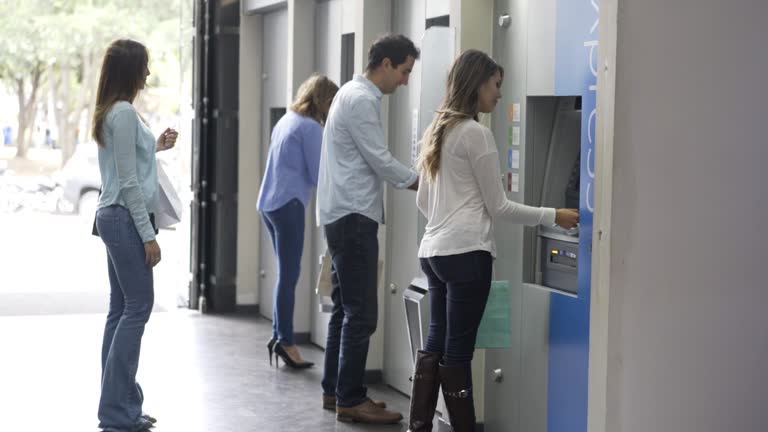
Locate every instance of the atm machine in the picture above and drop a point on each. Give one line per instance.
(552, 157)
(545, 131)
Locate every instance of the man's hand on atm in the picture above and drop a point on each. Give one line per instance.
(567, 218)
(415, 185)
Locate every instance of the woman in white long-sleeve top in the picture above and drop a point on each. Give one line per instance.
(461, 195)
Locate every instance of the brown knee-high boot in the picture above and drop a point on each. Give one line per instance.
(426, 384)
(457, 389)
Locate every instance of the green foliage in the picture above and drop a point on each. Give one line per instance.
(66, 39)
(21, 41)
(59, 32)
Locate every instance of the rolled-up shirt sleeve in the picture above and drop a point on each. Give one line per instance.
(484, 159)
(368, 135)
(124, 139)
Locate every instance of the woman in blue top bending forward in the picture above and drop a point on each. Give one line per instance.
(124, 223)
(291, 173)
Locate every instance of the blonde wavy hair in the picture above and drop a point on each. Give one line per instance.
(314, 98)
(468, 73)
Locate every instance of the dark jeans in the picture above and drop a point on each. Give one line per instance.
(458, 291)
(354, 249)
(286, 229)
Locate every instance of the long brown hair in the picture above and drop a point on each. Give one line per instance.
(314, 97)
(122, 73)
(468, 73)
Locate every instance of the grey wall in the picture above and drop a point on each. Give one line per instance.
(274, 81)
(688, 340)
(327, 62)
(436, 8)
(249, 156)
(328, 39)
(401, 251)
(250, 7)
(541, 25)
(300, 65)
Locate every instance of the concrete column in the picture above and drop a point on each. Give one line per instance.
(249, 156)
(473, 21)
(301, 48)
(301, 64)
(371, 19)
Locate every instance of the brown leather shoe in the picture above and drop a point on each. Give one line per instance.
(329, 403)
(367, 412)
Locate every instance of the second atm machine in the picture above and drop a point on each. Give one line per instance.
(544, 129)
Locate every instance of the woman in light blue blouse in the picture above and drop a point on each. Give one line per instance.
(291, 173)
(124, 223)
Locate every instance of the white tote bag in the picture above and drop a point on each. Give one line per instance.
(169, 209)
(324, 286)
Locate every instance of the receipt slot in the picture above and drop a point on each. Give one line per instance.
(558, 259)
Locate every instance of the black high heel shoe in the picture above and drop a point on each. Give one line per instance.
(270, 348)
(280, 352)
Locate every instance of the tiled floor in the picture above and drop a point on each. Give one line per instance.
(199, 373)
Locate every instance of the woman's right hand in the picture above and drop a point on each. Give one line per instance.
(152, 253)
(567, 218)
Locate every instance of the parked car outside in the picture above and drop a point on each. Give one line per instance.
(81, 181)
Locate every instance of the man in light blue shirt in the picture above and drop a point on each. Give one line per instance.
(354, 163)
(355, 159)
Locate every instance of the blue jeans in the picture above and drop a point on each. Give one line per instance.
(354, 248)
(286, 229)
(458, 292)
(130, 304)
